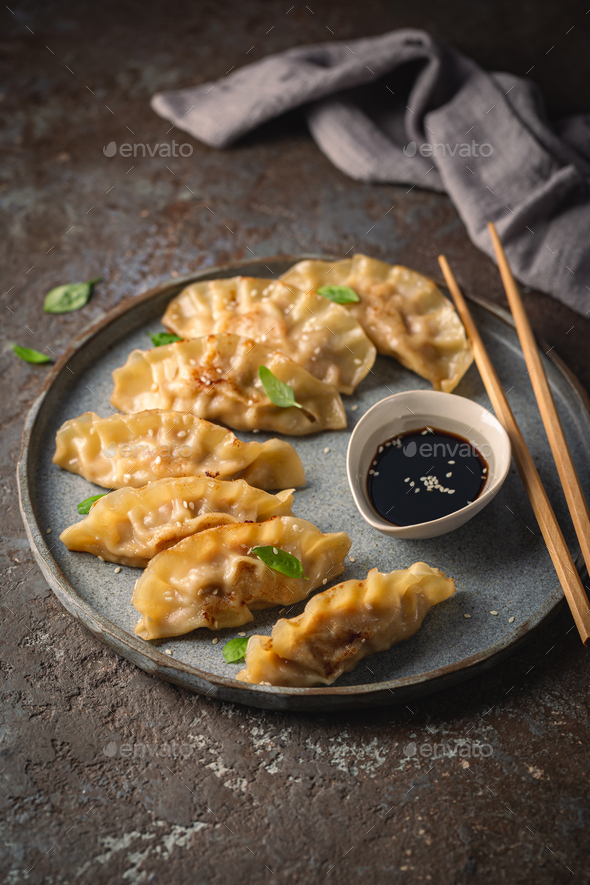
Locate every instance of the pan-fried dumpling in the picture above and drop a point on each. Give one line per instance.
(132, 450)
(403, 312)
(343, 625)
(214, 580)
(216, 377)
(131, 526)
(321, 336)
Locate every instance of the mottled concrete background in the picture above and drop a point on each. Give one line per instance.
(109, 775)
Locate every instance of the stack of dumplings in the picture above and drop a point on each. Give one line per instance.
(195, 507)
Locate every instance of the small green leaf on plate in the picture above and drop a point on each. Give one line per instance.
(339, 294)
(277, 391)
(70, 297)
(161, 338)
(235, 649)
(85, 505)
(280, 561)
(30, 356)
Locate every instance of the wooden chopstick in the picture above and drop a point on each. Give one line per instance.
(552, 534)
(536, 371)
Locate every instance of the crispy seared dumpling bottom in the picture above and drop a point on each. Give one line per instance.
(133, 450)
(403, 312)
(214, 579)
(319, 335)
(131, 526)
(343, 625)
(217, 377)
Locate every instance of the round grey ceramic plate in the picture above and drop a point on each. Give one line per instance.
(498, 559)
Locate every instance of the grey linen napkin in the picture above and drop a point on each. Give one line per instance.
(402, 108)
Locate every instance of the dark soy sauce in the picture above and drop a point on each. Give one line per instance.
(423, 475)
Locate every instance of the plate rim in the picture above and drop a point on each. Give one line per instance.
(152, 660)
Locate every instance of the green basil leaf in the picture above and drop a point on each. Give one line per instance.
(235, 649)
(161, 338)
(85, 505)
(30, 356)
(280, 561)
(339, 294)
(70, 297)
(277, 391)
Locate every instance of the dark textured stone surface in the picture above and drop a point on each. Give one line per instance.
(243, 795)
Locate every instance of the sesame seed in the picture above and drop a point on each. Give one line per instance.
(215, 641)
(352, 559)
(412, 484)
(466, 616)
(325, 581)
(353, 408)
(47, 531)
(510, 620)
(158, 460)
(448, 474)
(241, 634)
(184, 504)
(417, 489)
(326, 450)
(450, 462)
(275, 551)
(407, 479)
(168, 651)
(118, 569)
(493, 613)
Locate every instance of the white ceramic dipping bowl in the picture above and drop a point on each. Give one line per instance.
(413, 410)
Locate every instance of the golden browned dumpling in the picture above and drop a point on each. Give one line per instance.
(132, 450)
(317, 334)
(343, 625)
(403, 312)
(216, 377)
(215, 580)
(131, 526)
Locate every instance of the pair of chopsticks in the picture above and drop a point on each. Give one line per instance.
(552, 534)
